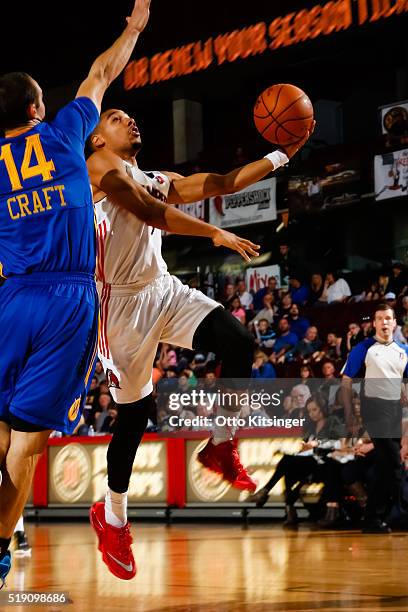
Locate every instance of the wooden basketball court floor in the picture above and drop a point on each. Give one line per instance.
(219, 567)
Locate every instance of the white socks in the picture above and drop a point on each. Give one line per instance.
(115, 508)
(20, 525)
(223, 432)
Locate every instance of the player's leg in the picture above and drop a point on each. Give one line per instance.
(109, 518)
(56, 326)
(18, 470)
(5, 432)
(222, 334)
(198, 322)
(132, 331)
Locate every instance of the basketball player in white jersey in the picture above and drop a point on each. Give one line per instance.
(143, 305)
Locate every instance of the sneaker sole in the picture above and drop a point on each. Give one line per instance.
(22, 553)
(243, 486)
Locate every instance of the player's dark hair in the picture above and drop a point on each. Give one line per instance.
(17, 92)
(382, 307)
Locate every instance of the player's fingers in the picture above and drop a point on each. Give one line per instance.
(250, 250)
(242, 253)
(251, 244)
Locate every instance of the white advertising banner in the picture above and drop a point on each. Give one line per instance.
(257, 278)
(391, 175)
(255, 204)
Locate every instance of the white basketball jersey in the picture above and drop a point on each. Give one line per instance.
(129, 251)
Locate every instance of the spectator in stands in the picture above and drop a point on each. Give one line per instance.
(383, 285)
(99, 373)
(306, 373)
(284, 306)
(328, 370)
(353, 337)
(210, 381)
(109, 422)
(236, 309)
(284, 343)
(366, 326)
(336, 290)
(303, 467)
(403, 311)
(309, 349)
(398, 281)
(104, 404)
(298, 324)
(391, 299)
(183, 383)
(265, 335)
(168, 356)
(103, 388)
(229, 292)
(294, 405)
(298, 292)
(316, 289)
(244, 295)
(267, 312)
(285, 262)
(372, 292)
(332, 348)
(272, 288)
(261, 367)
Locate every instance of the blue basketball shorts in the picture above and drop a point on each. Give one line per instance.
(49, 330)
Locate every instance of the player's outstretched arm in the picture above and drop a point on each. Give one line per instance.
(110, 64)
(108, 177)
(206, 185)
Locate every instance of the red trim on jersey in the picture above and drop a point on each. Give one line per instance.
(105, 321)
(101, 339)
(103, 343)
(102, 230)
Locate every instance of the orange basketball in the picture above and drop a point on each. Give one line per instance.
(283, 114)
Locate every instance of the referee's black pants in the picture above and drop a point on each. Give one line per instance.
(382, 420)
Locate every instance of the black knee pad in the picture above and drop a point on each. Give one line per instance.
(223, 334)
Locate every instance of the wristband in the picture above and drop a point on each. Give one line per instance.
(277, 159)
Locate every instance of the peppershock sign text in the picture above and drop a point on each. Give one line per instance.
(293, 28)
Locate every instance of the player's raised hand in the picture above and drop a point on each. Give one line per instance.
(140, 15)
(291, 150)
(244, 247)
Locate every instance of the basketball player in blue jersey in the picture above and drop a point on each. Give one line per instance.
(49, 304)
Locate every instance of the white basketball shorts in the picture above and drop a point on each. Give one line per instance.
(133, 322)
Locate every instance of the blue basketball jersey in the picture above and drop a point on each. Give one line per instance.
(46, 211)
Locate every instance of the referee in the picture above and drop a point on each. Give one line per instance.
(382, 364)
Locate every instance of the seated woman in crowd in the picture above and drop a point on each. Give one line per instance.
(236, 309)
(306, 465)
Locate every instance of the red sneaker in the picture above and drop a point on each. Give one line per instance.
(224, 459)
(208, 459)
(114, 544)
